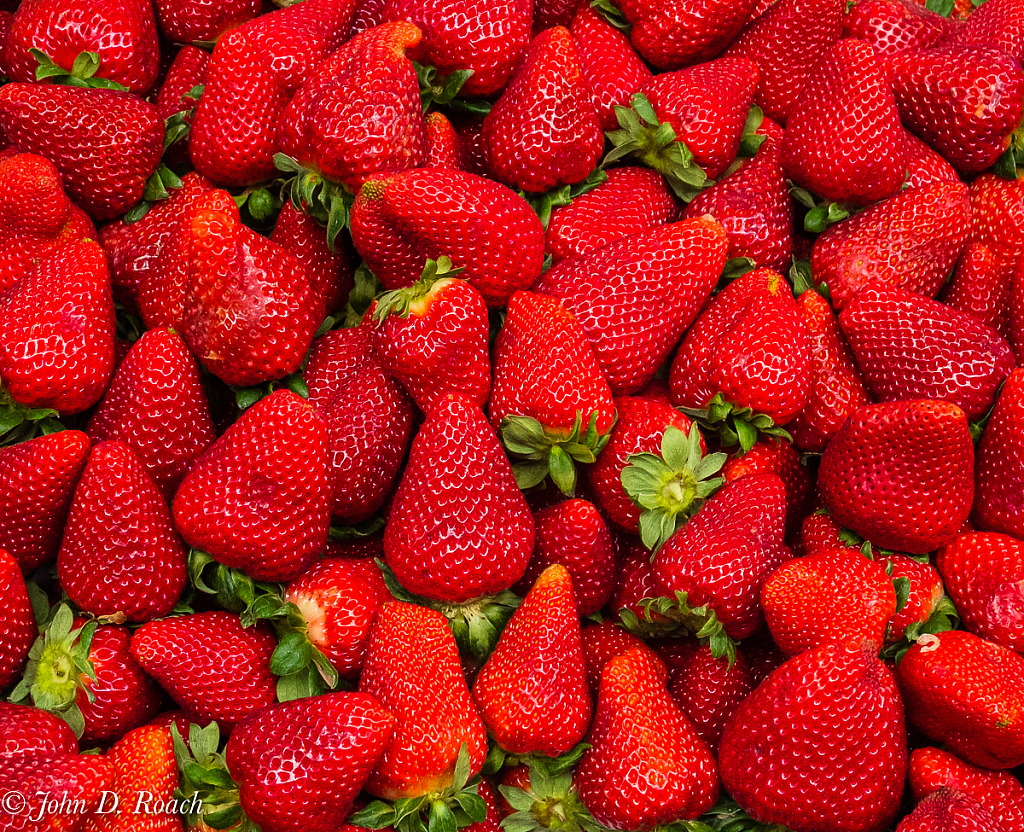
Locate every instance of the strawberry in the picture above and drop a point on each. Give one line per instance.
(400, 221)
(630, 202)
(300, 764)
(37, 480)
(602, 643)
(249, 313)
(548, 13)
(1016, 314)
(120, 553)
(121, 32)
(966, 692)
(157, 406)
(924, 592)
(636, 586)
(368, 417)
(901, 474)
(543, 132)
(772, 455)
(532, 692)
(646, 765)
(1002, 794)
(57, 330)
(53, 791)
(444, 148)
(177, 97)
(709, 690)
(672, 34)
(635, 297)
(209, 664)
(936, 94)
(858, 159)
(787, 40)
(339, 597)
(485, 38)
(980, 288)
(412, 668)
(458, 527)
(749, 345)
(925, 165)
(911, 241)
(900, 339)
(998, 504)
(998, 26)
(29, 730)
(184, 21)
(826, 597)
(997, 206)
(894, 26)
(258, 498)
(106, 144)
(820, 744)
(949, 810)
(837, 389)
(547, 386)
(17, 623)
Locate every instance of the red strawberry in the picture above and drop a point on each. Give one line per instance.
(400, 221)
(368, 416)
(55, 792)
(925, 165)
(37, 479)
(184, 21)
(910, 241)
(997, 206)
(258, 498)
(458, 527)
(157, 406)
(602, 643)
(894, 26)
(709, 690)
(486, 38)
(646, 765)
(120, 553)
(999, 484)
(29, 730)
(176, 101)
(980, 288)
(820, 744)
(17, 623)
(772, 455)
(301, 764)
(1016, 315)
(106, 144)
(967, 693)
(57, 330)
(751, 347)
(543, 132)
(532, 692)
(901, 474)
(936, 92)
(209, 664)
(910, 347)
(444, 148)
(998, 26)
(412, 667)
(121, 32)
(948, 810)
(857, 158)
(635, 297)
(924, 595)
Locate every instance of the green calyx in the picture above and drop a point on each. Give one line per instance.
(735, 425)
(82, 73)
(943, 617)
(58, 666)
(550, 802)
(541, 451)
(664, 616)
(672, 487)
(725, 816)
(19, 423)
(612, 13)
(820, 213)
(544, 203)
(159, 186)
(177, 126)
(400, 301)
(325, 201)
(750, 139)
(206, 782)
(448, 810)
(438, 90)
(642, 135)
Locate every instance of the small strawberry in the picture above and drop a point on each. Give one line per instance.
(999, 484)
(894, 26)
(709, 690)
(17, 623)
(925, 165)
(602, 643)
(184, 21)
(924, 597)
(444, 148)
(29, 730)
(949, 810)
(980, 288)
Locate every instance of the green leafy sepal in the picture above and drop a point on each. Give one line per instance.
(676, 616)
(735, 425)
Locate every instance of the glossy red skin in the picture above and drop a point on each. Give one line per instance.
(926, 590)
(999, 792)
(965, 692)
(901, 474)
(122, 32)
(412, 668)
(635, 297)
(749, 344)
(925, 165)
(493, 234)
(368, 416)
(820, 745)
(646, 765)
(602, 643)
(259, 498)
(775, 456)
(300, 764)
(1016, 325)
(723, 555)
(28, 730)
(709, 690)
(980, 288)
(80, 780)
(37, 480)
(187, 70)
(120, 551)
(636, 582)
(17, 623)
(543, 132)
(184, 21)
(949, 810)
(105, 144)
(156, 405)
(459, 527)
(209, 664)
(997, 214)
(999, 26)
(909, 347)
(893, 26)
(672, 35)
(999, 489)
(483, 36)
(57, 330)
(444, 149)
(144, 766)
(532, 691)
(911, 241)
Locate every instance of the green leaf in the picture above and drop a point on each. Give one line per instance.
(375, 815)
(902, 587)
(293, 653)
(942, 7)
(563, 472)
(441, 819)
(294, 686)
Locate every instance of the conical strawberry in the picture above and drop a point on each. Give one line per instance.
(999, 483)
(949, 810)
(17, 623)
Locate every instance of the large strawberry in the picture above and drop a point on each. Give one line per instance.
(821, 744)
(17, 624)
(998, 26)
(53, 791)
(999, 484)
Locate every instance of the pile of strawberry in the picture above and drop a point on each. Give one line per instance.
(526, 414)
